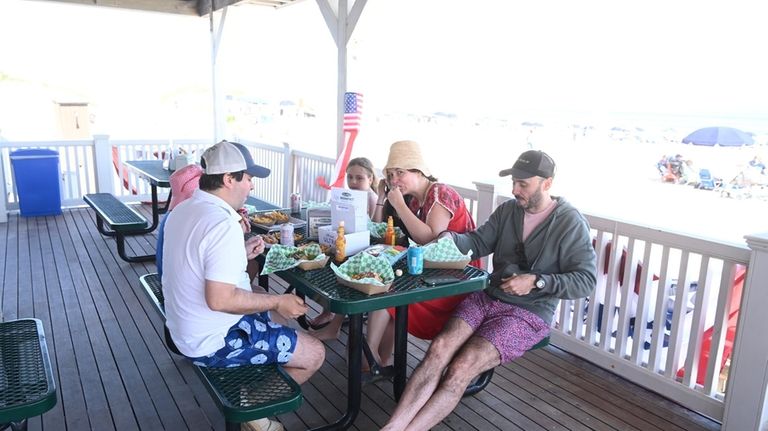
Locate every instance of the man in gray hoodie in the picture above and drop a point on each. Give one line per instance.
(542, 252)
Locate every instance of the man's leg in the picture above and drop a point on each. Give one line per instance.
(477, 355)
(426, 376)
(307, 358)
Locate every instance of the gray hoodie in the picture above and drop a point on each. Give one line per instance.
(559, 250)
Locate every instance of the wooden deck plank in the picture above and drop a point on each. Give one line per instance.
(106, 283)
(113, 370)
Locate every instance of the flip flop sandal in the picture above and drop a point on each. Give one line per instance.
(377, 373)
(311, 324)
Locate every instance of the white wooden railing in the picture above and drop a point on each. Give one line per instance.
(682, 316)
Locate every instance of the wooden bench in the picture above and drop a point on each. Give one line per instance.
(121, 219)
(485, 378)
(27, 388)
(242, 393)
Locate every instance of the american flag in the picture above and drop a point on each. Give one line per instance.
(353, 109)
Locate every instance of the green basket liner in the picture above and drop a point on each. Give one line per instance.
(444, 250)
(281, 257)
(364, 262)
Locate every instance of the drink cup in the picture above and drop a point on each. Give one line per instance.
(415, 260)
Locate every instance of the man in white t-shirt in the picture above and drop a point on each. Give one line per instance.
(213, 316)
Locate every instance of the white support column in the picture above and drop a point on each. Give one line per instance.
(746, 399)
(3, 194)
(341, 62)
(341, 23)
(289, 183)
(102, 153)
(219, 124)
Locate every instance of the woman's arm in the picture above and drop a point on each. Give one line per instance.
(437, 219)
(372, 200)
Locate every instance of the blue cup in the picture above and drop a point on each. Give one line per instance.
(415, 260)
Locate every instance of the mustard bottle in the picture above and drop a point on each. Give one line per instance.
(389, 234)
(341, 244)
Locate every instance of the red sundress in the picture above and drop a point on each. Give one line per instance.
(426, 319)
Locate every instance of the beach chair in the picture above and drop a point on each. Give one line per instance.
(706, 182)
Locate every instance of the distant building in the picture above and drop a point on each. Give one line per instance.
(74, 120)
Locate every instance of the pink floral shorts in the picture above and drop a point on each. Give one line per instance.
(511, 329)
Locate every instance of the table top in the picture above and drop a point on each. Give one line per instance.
(261, 205)
(321, 286)
(152, 170)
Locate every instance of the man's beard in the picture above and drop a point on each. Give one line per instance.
(533, 201)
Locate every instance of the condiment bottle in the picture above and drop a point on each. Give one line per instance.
(341, 244)
(389, 234)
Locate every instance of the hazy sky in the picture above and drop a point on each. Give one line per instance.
(480, 57)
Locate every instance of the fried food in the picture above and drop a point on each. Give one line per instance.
(367, 274)
(271, 238)
(278, 217)
(274, 238)
(270, 218)
(262, 220)
(304, 254)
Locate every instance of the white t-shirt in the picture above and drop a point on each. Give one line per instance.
(203, 241)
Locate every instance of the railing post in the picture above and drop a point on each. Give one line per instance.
(289, 179)
(486, 203)
(3, 194)
(103, 162)
(746, 399)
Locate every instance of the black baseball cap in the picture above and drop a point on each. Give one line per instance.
(532, 163)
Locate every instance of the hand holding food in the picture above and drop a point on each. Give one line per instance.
(291, 306)
(254, 246)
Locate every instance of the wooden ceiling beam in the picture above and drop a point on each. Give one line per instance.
(204, 6)
(183, 7)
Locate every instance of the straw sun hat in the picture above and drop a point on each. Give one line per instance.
(406, 155)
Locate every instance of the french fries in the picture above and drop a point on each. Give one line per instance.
(270, 218)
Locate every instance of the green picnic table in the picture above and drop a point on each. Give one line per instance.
(27, 388)
(322, 287)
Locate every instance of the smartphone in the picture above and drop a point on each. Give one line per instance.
(440, 280)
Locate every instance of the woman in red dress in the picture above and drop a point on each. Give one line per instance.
(425, 208)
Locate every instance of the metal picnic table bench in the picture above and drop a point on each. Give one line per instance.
(121, 219)
(27, 388)
(242, 393)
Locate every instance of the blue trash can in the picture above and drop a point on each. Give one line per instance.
(36, 172)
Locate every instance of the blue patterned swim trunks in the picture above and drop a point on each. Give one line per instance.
(255, 339)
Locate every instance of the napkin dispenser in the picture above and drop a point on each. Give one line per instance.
(180, 161)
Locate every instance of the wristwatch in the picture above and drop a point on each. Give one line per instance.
(539, 282)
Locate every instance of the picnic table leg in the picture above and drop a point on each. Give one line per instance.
(354, 377)
(120, 239)
(155, 209)
(401, 350)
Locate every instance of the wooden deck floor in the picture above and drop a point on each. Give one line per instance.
(113, 371)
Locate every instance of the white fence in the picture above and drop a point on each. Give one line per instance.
(667, 312)
(98, 166)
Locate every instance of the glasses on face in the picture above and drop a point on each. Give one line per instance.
(522, 259)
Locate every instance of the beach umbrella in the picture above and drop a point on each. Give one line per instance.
(723, 136)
